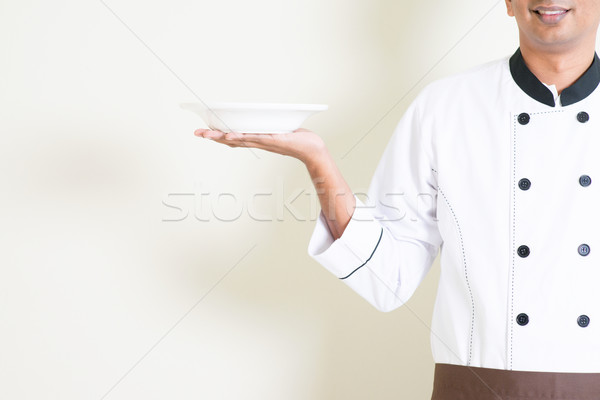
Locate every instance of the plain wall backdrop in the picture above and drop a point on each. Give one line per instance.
(141, 262)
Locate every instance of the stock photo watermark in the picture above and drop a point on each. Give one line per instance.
(298, 203)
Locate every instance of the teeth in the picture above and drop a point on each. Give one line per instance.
(551, 12)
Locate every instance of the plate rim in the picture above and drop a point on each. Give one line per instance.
(223, 105)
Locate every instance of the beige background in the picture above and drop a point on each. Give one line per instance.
(103, 295)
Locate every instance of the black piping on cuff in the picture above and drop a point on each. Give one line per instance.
(365, 263)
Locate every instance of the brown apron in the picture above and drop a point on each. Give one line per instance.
(458, 382)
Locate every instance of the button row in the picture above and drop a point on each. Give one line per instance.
(584, 180)
(583, 320)
(583, 250)
(525, 184)
(524, 118)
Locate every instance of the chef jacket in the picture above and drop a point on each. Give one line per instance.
(487, 170)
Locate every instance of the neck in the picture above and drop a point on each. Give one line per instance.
(562, 68)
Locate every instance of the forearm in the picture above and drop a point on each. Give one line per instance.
(336, 198)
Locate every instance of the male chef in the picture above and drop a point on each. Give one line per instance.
(497, 169)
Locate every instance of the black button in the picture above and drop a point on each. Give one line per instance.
(523, 251)
(524, 118)
(583, 321)
(583, 250)
(585, 180)
(523, 319)
(524, 184)
(583, 117)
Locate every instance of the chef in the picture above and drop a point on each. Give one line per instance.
(497, 169)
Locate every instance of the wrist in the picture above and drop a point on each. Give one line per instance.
(316, 157)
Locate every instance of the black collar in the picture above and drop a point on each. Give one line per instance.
(531, 85)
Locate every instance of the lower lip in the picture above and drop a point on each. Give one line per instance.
(551, 19)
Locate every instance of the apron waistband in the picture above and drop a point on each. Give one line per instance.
(459, 382)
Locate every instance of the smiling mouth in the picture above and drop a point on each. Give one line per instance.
(550, 15)
(544, 12)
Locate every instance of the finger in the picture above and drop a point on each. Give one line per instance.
(211, 134)
(241, 144)
(208, 133)
(249, 137)
(230, 141)
(205, 132)
(235, 141)
(236, 136)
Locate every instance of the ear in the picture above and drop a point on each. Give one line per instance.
(509, 9)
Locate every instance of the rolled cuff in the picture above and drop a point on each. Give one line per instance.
(353, 249)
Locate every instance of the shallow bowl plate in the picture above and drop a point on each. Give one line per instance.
(254, 117)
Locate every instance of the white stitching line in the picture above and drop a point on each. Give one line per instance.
(472, 369)
(546, 112)
(512, 283)
(466, 275)
(514, 190)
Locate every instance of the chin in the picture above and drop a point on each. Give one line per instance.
(549, 39)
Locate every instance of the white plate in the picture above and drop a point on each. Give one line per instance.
(254, 117)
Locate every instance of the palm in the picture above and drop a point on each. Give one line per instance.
(300, 144)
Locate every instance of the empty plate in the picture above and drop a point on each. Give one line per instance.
(254, 117)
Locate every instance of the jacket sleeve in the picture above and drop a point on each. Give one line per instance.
(392, 238)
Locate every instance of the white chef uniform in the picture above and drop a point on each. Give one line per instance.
(485, 169)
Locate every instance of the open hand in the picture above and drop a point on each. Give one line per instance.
(302, 144)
